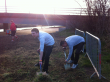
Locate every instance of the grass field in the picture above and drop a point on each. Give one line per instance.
(17, 61)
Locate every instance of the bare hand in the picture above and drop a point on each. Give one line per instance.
(64, 48)
(66, 61)
(40, 63)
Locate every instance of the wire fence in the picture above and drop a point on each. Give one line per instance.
(79, 32)
(93, 51)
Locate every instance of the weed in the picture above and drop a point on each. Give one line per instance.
(24, 63)
(5, 75)
(9, 79)
(42, 78)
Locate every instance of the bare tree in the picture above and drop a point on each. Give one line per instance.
(97, 15)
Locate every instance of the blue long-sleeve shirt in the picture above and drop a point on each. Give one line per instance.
(72, 41)
(45, 39)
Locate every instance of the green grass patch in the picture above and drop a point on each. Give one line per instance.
(85, 62)
(43, 78)
(66, 33)
(9, 79)
(106, 58)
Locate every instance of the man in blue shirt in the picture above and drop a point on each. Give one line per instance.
(74, 42)
(46, 46)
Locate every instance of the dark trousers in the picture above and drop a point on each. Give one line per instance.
(78, 48)
(13, 33)
(46, 56)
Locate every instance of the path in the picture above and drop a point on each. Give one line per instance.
(28, 31)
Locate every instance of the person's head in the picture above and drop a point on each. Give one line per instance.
(63, 44)
(35, 32)
(11, 21)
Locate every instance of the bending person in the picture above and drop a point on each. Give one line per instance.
(46, 46)
(74, 42)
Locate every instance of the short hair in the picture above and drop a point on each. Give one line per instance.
(35, 30)
(62, 42)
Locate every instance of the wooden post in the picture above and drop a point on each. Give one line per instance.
(5, 26)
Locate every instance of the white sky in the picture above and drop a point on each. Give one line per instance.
(41, 6)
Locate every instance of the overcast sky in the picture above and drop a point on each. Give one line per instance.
(42, 5)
